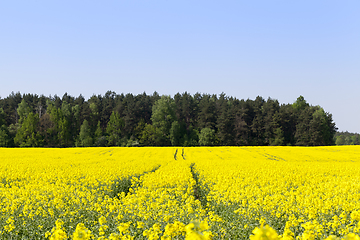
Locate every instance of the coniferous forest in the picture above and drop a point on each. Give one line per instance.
(30, 120)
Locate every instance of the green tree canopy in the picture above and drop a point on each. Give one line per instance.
(85, 139)
(23, 110)
(163, 115)
(126, 119)
(114, 129)
(300, 103)
(4, 133)
(207, 137)
(27, 135)
(151, 136)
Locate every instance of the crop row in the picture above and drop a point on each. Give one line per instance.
(178, 193)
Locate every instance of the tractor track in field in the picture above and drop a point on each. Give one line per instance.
(200, 192)
(124, 184)
(182, 154)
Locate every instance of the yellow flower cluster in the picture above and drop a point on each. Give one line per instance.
(267, 233)
(211, 193)
(303, 192)
(75, 185)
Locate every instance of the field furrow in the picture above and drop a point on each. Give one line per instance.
(179, 193)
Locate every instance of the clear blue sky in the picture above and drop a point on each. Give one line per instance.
(277, 49)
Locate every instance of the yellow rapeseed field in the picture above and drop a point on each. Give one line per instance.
(180, 193)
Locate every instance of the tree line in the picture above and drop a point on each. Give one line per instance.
(30, 120)
(347, 138)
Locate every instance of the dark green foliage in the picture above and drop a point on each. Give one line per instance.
(225, 121)
(300, 104)
(2, 117)
(151, 136)
(154, 120)
(99, 138)
(207, 137)
(278, 139)
(4, 132)
(314, 127)
(13, 129)
(346, 138)
(177, 133)
(27, 135)
(85, 139)
(207, 115)
(4, 136)
(114, 129)
(163, 115)
(191, 138)
(60, 131)
(321, 129)
(23, 110)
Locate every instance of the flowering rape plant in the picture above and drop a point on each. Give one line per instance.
(180, 193)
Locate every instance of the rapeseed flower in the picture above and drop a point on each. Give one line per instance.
(122, 193)
(264, 233)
